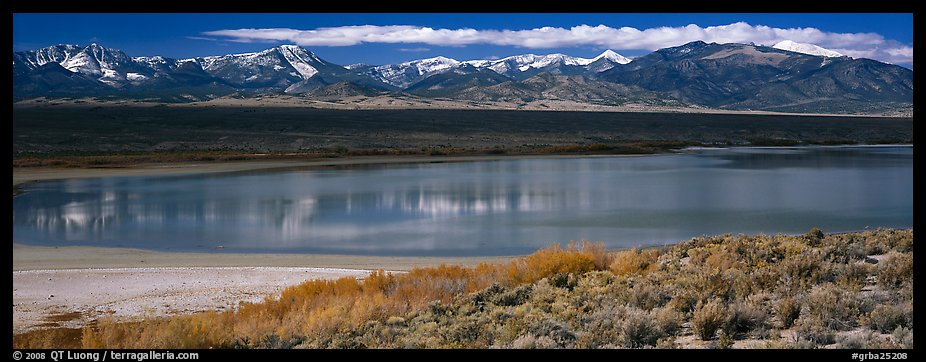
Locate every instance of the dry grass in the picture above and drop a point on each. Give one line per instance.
(50, 338)
(709, 318)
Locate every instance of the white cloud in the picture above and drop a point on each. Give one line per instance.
(414, 50)
(201, 38)
(869, 45)
(900, 54)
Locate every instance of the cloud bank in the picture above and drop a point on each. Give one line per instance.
(861, 45)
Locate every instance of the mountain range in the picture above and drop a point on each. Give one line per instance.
(789, 76)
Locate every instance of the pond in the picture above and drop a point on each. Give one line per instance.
(501, 207)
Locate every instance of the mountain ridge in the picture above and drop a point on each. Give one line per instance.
(723, 76)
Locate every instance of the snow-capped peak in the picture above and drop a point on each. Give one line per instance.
(296, 57)
(525, 62)
(612, 56)
(404, 74)
(805, 48)
(255, 63)
(291, 47)
(430, 65)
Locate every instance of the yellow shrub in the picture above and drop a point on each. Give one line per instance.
(634, 262)
(552, 261)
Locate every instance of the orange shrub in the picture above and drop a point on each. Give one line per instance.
(634, 262)
(556, 260)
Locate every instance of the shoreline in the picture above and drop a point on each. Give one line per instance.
(30, 257)
(23, 175)
(417, 103)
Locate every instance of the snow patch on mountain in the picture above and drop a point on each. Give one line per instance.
(478, 63)
(295, 56)
(135, 77)
(153, 62)
(110, 74)
(82, 63)
(806, 48)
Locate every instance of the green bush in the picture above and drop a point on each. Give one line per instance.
(708, 318)
(668, 320)
(533, 342)
(907, 309)
(854, 275)
(810, 328)
(274, 341)
(885, 318)
(724, 341)
(744, 317)
(647, 296)
(667, 343)
(602, 327)
(788, 309)
(637, 329)
(801, 344)
(896, 269)
(843, 248)
(558, 331)
(903, 338)
(832, 307)
(801, 271)
(882, 241)
(514, 297)
(814, 236)
(861, 340)
(684, 300)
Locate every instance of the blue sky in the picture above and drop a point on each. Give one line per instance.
(391, 38)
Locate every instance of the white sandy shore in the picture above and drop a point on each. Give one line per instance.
(71, 286)
(74, 297)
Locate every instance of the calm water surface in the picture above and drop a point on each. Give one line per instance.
(479, 208)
